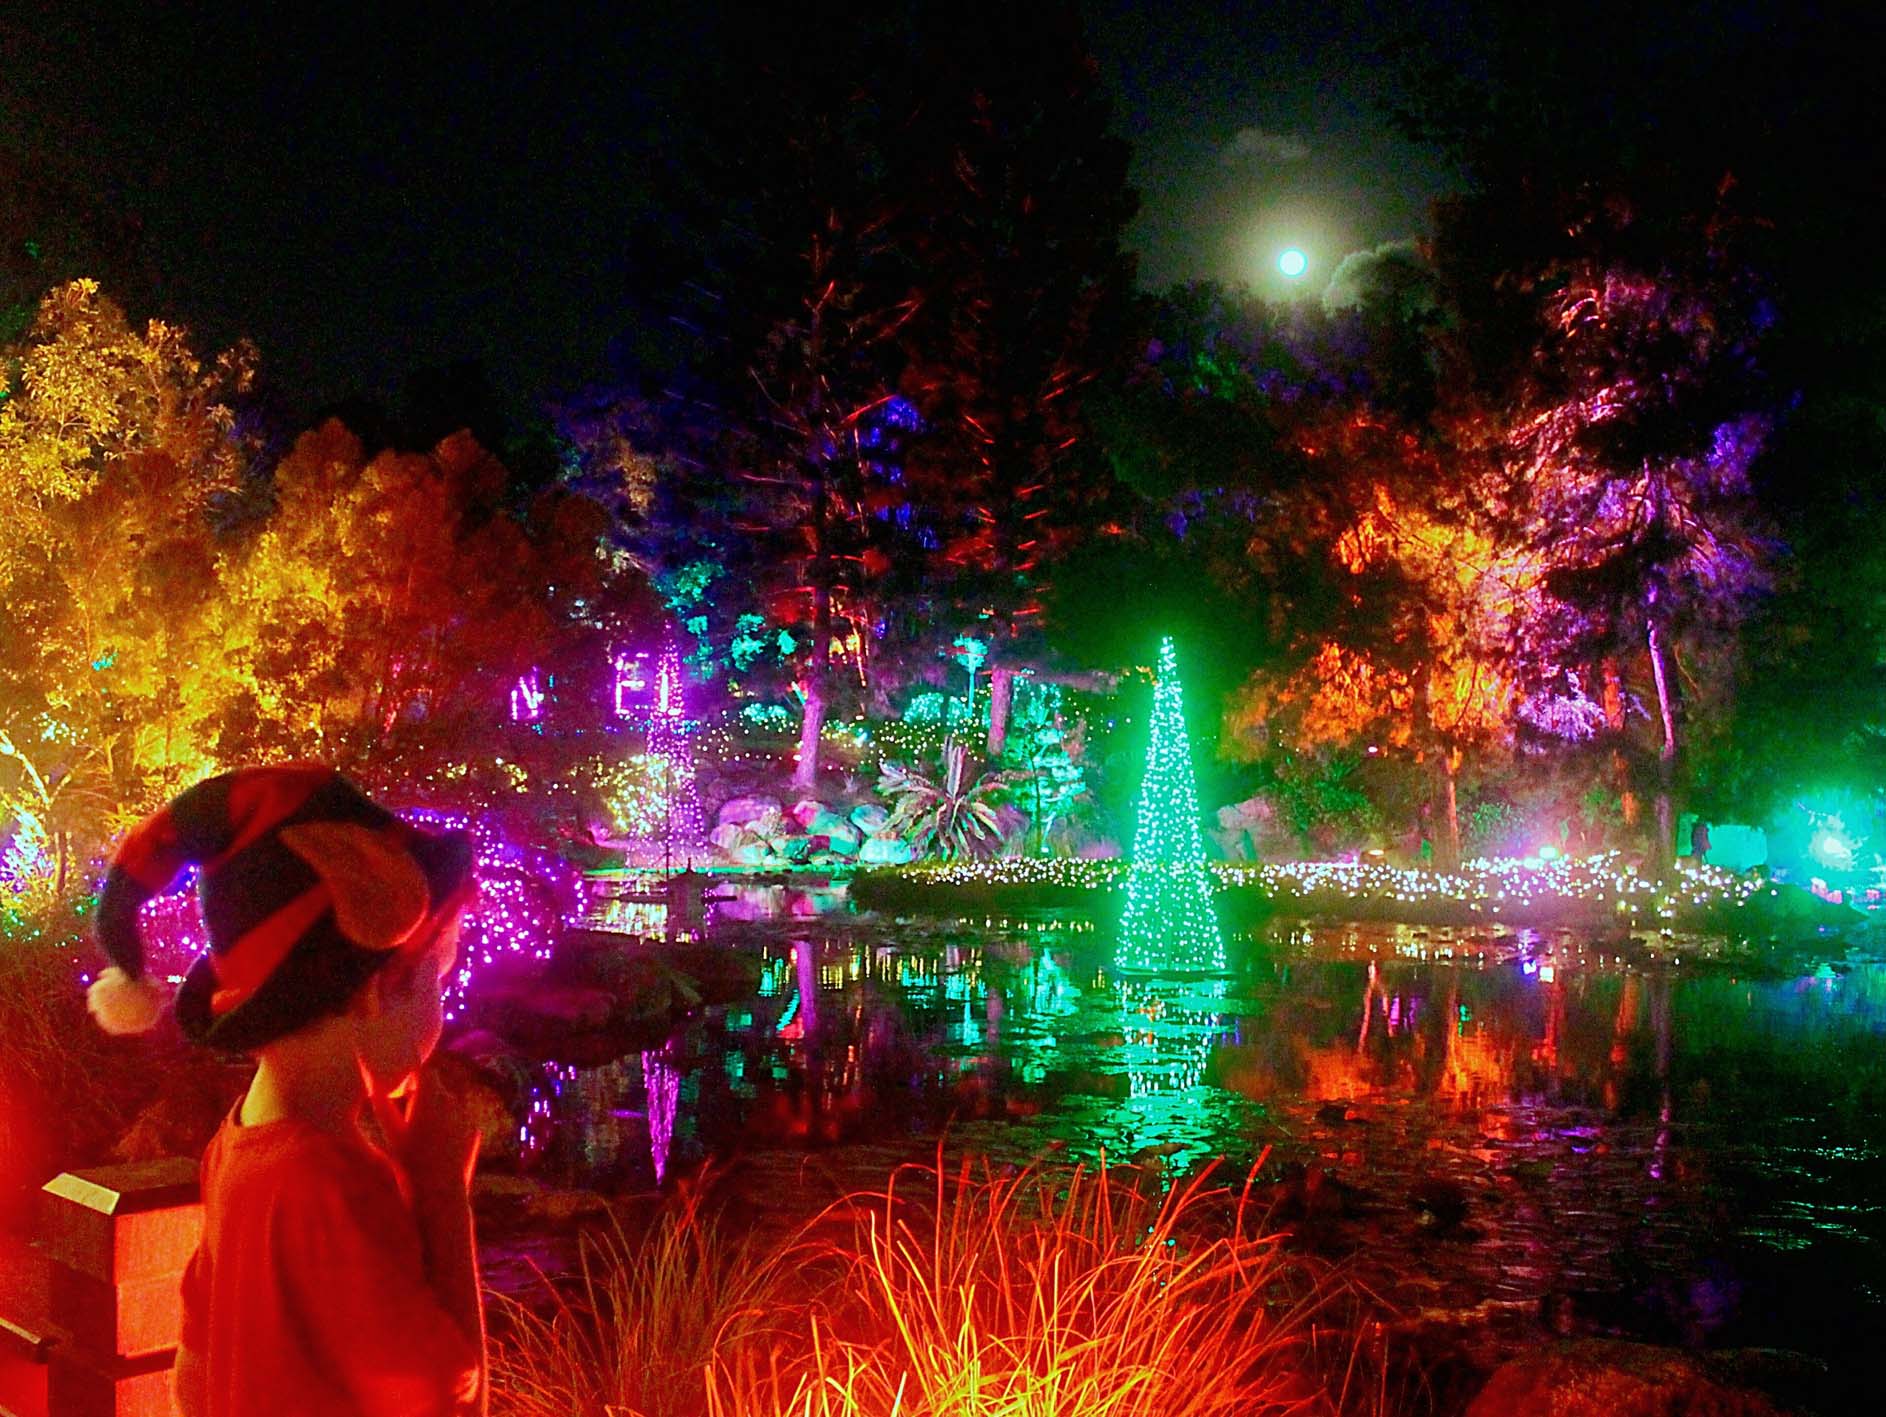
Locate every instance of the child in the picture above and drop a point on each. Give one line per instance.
(336, 1273)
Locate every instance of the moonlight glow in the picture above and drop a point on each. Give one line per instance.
(1293, 262)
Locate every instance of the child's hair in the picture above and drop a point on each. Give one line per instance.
(307, 887)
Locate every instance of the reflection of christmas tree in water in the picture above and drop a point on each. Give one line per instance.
(1168, 1037)
(1170, 1112)
(1169, 926)
(683, 833)
(662, 1082)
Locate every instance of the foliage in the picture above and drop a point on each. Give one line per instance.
(1049, 757)
(950, 815)
(72, 1090)
(1321, 799)
(370, 611)
(888, 270)
(635, 792)
(946, 1294)
(117, 447)
(1493, 828)
(390, 602)
(645, 1317)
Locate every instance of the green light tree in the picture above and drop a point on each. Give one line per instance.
(1169, 927)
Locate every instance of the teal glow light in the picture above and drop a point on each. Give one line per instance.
(1293, 263)
(1169, 926)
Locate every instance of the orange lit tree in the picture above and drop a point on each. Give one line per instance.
(116, 447)
(1424, 652)
(385, 610)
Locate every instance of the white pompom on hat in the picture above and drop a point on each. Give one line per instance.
(122, 1004)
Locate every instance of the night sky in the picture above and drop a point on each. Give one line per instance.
(1256, 127)
(371, 196)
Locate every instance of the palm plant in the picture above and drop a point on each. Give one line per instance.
(951, 816)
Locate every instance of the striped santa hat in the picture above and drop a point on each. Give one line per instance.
(307, 888)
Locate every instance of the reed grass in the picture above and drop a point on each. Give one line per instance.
(950, 1292)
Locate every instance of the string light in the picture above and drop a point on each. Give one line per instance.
(1169, 925)
(1485, 888)
(684, 829)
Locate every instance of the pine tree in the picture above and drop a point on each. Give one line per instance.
(1169, 925)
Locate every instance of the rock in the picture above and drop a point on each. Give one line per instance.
(1794, 1379)
(806, 811)
(190, 1105)
(1595, 1377)
(1247, 815)
(838, 832)
(512, 1072)
(885, 851)
(738, 811)
(727, 836)
(482, 1098)
(562, 1207)
(1440, 1205)
(1236, 845)
(870, 818)
(541, 1014)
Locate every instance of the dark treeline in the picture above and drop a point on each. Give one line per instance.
(1563, 513)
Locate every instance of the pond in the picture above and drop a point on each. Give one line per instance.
(1668, 1139)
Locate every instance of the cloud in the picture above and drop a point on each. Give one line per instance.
(1257, 147)
(1392, 275)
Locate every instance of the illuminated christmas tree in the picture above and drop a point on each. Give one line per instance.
(1169, 926)
(683, 833)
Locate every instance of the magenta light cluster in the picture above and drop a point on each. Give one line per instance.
(525, 898)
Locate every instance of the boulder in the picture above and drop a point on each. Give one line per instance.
(838, 833)
(481, 1097)
(869, 818)
(190, 1105)
(738, 811)
(1594, 1377)
(539, 1015)
(1247, 815)
(885, 851)
(1235, 845)
(808, 810)
(728, 836)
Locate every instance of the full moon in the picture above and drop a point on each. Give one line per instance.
(1293, 263)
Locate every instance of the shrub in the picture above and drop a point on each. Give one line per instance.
(950, 1293)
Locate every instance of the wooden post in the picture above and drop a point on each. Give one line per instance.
(110, 1254)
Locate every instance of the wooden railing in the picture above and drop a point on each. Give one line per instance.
(89, 1306)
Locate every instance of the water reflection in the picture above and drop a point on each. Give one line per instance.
(1612, 1123)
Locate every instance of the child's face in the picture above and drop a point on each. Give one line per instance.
(402, 1015)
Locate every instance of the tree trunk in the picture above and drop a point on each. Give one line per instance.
(1666, 757)
(1450, 765)
(805, 776)
(1614, 724)
(1001, 688)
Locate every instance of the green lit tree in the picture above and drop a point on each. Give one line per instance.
(1169, 925)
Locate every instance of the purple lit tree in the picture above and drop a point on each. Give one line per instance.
(1635, 432)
